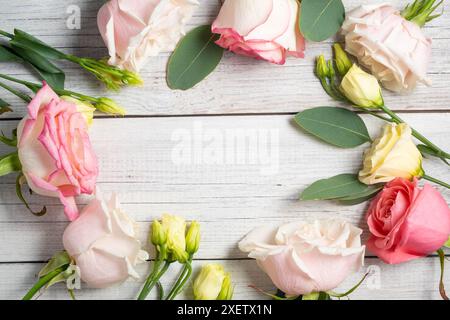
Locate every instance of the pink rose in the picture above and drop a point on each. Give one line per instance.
(394, 49)
(302, 258)
(103, 243)
(134, 30)
(55, 151)
(407, 222)
(261, 29)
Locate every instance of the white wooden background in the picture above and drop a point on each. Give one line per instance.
(135, 155)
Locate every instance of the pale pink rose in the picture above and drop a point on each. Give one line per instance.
(103, 243)
(55, 150)
(407, 222)
(134, 30)
(394, 49)
(261, 29)
(301, 258)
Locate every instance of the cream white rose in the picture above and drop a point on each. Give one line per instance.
(134, 30)
(392, 155)
(393, 48)
(302, 258)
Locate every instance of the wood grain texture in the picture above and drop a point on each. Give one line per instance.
(227, 199)
(238, 85)
(415, 280)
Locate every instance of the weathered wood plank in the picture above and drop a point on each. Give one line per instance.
(227, 199)
(239, 85)
(415, 280)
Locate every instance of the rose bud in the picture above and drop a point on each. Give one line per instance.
(213, 283)
(103, 243)
(407, 222)
(55, 150)
(261, 29)
(361, 88)
(302, 258)
(134, 30)
(392, 155)
(393, 48)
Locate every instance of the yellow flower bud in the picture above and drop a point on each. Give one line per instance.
(361, 88)
(109, 106)
(176, 236)
(392, 155)
(447, 244)
(193, 238)
(212, 283)
(321, 67)
(343, 63)
(159, 235)
(83, 107)
(226, 292)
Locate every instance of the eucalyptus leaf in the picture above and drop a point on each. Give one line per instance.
(370, 192)
(321, 19)
(337, 126)
(194, 58)
(9, 163)
(339, 186)
(28, 42)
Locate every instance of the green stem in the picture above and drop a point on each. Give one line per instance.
(182, 279)
(415, 133)
(434, 180)
(6, 34)
(153, 281)
(21, 95)
(441, 280)
(42, 282)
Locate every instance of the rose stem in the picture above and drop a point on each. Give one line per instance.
(442, 183)
(42, 282)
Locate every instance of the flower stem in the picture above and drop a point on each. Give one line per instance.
(437, 181)
(182, 279)
(42, 282)
(152, 281)
(416, 134)
(441, 280)
(6, 34)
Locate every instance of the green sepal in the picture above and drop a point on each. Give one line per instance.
(59, 259)
(341, 295)
(10, 163)
(12, 142)
(447, 244)
(19, 182)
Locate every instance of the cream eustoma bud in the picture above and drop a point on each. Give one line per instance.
(85, 108)
(392, 155)
(321, 67)
(159, 235)
(193, 238)
(176, 236)
(109, 106)
(212, 283)
(343, 63)
(361, 88)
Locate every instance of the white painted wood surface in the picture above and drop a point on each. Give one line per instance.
(136, 156)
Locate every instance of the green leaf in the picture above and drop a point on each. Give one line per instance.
(337, 126)
(27, 41)
(6, 55)
(47, 71)
(9, 163)
(358, 198)
(339, 186)
(195, 57)
(321, 19)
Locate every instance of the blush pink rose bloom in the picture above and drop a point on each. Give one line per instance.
(407, 222)
(302, 258)
(55, 150)
(103, 243)
(393, 48)
(134, 30)
(261, 29)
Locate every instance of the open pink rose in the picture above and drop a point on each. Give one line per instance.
(407, 222)
(393, 48)
(103, 243)
(302, 258)
(55, 151)
(261, 29)
(134, 30)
